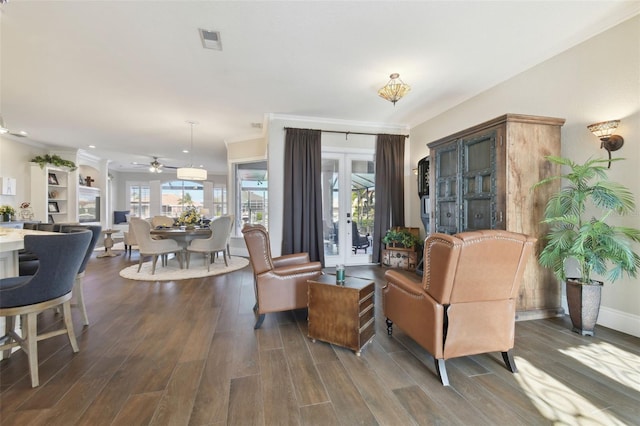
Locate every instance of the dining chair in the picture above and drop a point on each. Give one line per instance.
(217, 242)
(147, 246)
(29, 263)
(129, 240)
(78, 287)
(60, 257)
(231, 223)
(162, 222)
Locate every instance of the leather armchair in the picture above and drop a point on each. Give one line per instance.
(280, 282)
(465, 302)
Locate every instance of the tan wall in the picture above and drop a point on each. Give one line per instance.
(241, 150)
(595, 81)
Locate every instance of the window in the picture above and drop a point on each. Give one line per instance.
(219, 199)
(251, 205)
(178, 195)
(139, 199)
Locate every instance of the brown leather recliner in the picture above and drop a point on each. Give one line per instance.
(465, 302)
(280, 282)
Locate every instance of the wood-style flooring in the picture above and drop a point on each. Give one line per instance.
(186, 353)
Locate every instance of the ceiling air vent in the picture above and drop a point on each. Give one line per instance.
(210, 39)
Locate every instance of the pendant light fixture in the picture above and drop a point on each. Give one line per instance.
(394, 90)
(191, 173)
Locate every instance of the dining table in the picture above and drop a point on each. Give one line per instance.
(11, 242)
(181, 235)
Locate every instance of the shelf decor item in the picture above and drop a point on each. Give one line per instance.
(6, 213)
(581, 243)
(53, 207)
(53, 179)
(26, 212)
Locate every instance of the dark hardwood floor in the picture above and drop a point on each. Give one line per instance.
(185, 353)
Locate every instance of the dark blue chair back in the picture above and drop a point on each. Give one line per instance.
(60, 257)
(96, 230)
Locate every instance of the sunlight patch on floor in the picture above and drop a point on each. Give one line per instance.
(606, 359)
(557, 402)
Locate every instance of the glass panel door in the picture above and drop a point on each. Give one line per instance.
(348, 197)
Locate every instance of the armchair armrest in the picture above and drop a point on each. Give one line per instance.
(297, 269)
(405, 282)
(290, 259)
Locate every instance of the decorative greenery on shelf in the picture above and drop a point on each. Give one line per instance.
(57, 161)
(582, 233)
(403, 237)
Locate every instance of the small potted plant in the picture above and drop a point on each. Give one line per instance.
(401, 238)
(6, 213)
(579, 233)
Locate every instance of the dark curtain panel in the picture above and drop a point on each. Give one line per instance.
(302, 221)
(389, 210)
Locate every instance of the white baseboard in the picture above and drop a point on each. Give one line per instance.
(620, 321)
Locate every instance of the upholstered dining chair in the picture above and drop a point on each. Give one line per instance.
(216, 243)
(465, 302)
(29, 265)
(280, 283)
(231, 223)
(60, 257)
(78, 287)
(162, 221)
(129, 240)
(149, 247)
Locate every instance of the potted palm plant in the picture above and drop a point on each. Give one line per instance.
(579, 234)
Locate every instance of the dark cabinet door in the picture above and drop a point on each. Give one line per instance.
(447, 191)
(478, 198)
(465, 171)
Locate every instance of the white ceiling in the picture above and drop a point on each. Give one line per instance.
(126, 75)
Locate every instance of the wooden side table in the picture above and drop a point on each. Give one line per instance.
(108, 243)
(341, 314)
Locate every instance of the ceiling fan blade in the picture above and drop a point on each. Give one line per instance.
(4, 130)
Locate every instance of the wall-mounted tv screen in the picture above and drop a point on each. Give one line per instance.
(88, 206)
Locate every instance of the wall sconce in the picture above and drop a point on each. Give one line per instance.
(604, 131)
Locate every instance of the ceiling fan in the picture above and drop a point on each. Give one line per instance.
(155, 166)
(4, 130)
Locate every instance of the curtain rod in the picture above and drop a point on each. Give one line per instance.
(345, 133)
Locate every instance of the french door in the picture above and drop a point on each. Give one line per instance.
(348, 197)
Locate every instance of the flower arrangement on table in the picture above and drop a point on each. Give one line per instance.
(6, 212)
(189, 217)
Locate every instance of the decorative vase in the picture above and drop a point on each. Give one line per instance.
(584, 305)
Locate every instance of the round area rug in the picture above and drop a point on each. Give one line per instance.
(172, 271)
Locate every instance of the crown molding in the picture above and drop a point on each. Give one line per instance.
(352, 125)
